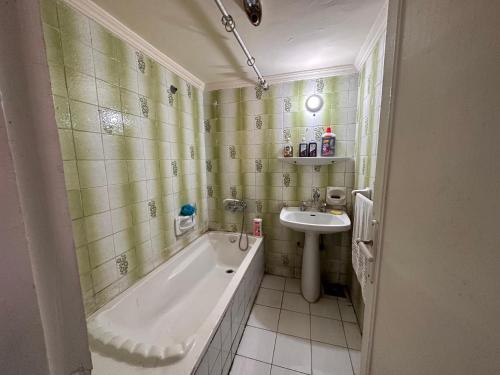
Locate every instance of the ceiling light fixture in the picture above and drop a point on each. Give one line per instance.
(314, 103)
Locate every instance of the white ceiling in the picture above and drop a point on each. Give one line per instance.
(294, 36)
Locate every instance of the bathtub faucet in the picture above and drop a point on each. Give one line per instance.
(234, 205)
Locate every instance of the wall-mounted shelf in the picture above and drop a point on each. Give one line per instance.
(319, 160)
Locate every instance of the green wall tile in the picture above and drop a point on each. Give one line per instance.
(106, 68)
(67, 145)
(102, 40)
(108, 95)
(88, 145)
(101, 251)
(74, 24)
(91, 173)
(53, 45)
(82, 256)
(63, 117)
(58, 80)
(71, 175)
(48, 9)
(77, 55)
(84, 117)
(95, 200)
(79, 232)
(98, 226)
(75, 204)
(81, 87)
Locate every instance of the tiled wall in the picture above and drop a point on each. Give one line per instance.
(244, 132)
(367, 129)
(368, 118)
(133, 152)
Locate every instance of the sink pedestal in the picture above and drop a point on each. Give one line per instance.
(311, 273)
(313, 224)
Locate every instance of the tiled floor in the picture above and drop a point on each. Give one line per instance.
(286, 335)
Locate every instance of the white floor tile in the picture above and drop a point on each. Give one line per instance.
(347, 312)
(295, 324)
(343, 299)
(257, 344)
(292, 285)
(273, 282)
(326, 330)
(356, 361)
(264, 317)
(247, 366)
(326, 307)
(295, 302)
(275, 370)
(268, 297)
(293, 353)
(329, 359)
(353, 335)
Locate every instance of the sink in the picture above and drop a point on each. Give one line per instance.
(304, 221)
(313, 223)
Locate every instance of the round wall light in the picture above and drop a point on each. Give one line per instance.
(314, 103)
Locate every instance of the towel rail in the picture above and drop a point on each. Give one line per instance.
(366, 192)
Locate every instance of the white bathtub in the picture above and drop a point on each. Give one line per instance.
(185, 315)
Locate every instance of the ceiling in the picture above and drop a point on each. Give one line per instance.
(294, 36)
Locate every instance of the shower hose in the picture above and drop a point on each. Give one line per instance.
(241, 233)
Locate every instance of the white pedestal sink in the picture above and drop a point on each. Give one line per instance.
(312, 223)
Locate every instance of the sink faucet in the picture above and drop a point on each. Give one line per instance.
(316, 196)
(322, 206)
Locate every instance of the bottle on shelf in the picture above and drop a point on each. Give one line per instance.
(303, 148)
(313, 146)
(328, 143)
(287, 148)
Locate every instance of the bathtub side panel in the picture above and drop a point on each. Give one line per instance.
(218, 358)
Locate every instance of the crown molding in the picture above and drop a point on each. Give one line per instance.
(376, 31)
(95, 12)
(286, 77)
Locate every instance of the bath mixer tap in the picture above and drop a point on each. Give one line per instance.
(234, 205)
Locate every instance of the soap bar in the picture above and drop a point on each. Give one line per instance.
(336, 212)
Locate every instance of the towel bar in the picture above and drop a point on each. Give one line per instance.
(366, 192)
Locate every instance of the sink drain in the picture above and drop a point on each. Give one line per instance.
(229, 271)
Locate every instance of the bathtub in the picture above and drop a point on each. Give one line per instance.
(186, 317)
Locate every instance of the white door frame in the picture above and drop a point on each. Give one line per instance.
(383, 169)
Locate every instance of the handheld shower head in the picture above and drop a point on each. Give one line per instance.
(253, 9)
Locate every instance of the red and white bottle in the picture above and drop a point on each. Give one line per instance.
(257, 227)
